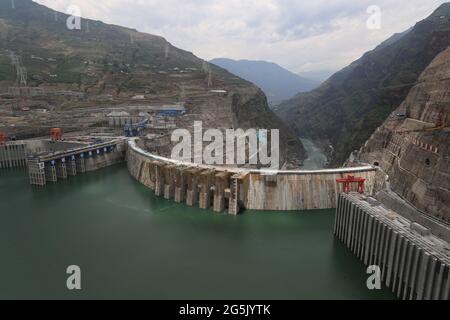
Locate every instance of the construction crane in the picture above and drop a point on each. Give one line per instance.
(2, 138)
(136, 129)
(56, 134)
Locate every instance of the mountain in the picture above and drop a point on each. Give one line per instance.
(318, 76)
(43, 64)
(277, 83)
(414, 151)
(345, 110)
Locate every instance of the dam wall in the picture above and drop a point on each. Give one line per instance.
(236, 188)
(13, 155)
(413, 262)
(69, 159)
(301, 190)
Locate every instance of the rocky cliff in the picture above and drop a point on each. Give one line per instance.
(347, 108)
(413, 146)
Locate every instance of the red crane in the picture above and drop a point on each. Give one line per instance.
(56, 134)
(2, 139)
(352, 179)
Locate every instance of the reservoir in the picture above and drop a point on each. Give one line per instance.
(131, 244)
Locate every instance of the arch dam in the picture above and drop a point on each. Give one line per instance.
(234, 189)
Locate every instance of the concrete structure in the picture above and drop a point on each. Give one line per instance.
(121, 118)
(414, 263)
(52, 166)
(233, 189)
(13, 154)
(158, 116)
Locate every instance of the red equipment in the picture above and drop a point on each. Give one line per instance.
(351, 179)
(2, 139)
(56, 134)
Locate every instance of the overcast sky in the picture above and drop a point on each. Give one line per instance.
(301, 35)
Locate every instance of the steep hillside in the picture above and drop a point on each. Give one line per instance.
(107, 65)
(415, 151)
(347, 108)
(277, 83)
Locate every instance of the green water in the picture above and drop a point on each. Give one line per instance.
(317, 159)
(131, 244)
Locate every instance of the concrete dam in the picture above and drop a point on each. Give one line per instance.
(234, 189)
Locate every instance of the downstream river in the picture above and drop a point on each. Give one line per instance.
(316, 157)
(131, 244)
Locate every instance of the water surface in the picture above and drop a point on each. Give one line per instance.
(131, 244)
(317, 159)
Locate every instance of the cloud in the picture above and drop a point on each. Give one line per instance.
(299, 35)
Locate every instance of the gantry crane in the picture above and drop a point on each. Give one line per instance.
(2, 138)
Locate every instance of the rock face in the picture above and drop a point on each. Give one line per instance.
(69, 72)
(413, 146)
(347, 108)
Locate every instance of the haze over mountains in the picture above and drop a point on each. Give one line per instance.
(277, 82)
(346, 109)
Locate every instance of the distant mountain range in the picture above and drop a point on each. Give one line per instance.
(345, 110)
(277, 83)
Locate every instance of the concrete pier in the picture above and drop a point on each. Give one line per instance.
(206, 182)
(71, 167)
(50, 173)
(413, 265)
(180, 185)
(61, 170)
(192, 177)
(221, 191)
(80, 165)
(234, 204)
(37, 173)
(169, 181)
(159, 179)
